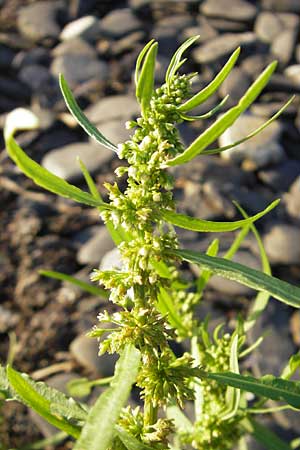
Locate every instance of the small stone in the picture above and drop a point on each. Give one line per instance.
(233, 10)
(36, 55)
(282, 244)
(85, 350)
(115, 131)
(76, 46)
(168, 40)
(222, 46)
(292, 199)
(63, 162)
(120, 22)
(235, 85)
(203, 28)
(292, 6)
(261, 150)
(111, 260)
(35, 76)
(95, 248)
(293, 72)
(79, 68)
(253, 65)
(228, 26)
(267, 26)
(6, 57)
(8, 319)
(87, 28)
(283, 45)
(38, 21)
(280, 178)
(269, 109)
(113, 107)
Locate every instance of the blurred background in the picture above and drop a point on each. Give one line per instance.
(94, 44)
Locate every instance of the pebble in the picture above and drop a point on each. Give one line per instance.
(292, 6)
(269, 25)
(62, 161)
(36, 55)
(79, 68)
(281, 177)
(85, 350)
(92, 251)
(293, 72)
(119, 22)
(233, 10)
(292, 199)
(35, 76)
(267, 110)
(115, 131)
(8, 319)
(38, 21)
(6, 57)
(113, 107)
(228, 26)
(282, 244)
(87, 28)
(76, 46)
(253, 65)
(111, 260)
(222, 46)
(283, 45)
(235, 85)
(261, 150)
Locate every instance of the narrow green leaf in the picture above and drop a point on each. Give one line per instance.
(161, 268)
(281, 290)
(81, 118)
(292, 366)
(206, 115)
(225, 121)
(5, 391)
(194, 224)
(47, 180)
(176, 62)
(265, 436)
(89, 180)
(258, 130)
(145, 84)
(130, 442)
(213, 86)
(233, 395)
(205, 275)
(91, 289)
(30, 396)
(266, 386)
(139, 61)
(181, 421)
(166, 306)
(99, 428)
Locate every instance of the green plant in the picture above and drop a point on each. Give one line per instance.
(155, 304)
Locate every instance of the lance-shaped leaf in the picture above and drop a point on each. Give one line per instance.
(81, 118)
(139, 61)
(267, 386)
(145, 82)
(233, 395)
(281, 290)
(225, 121)
(41, 398)
(258, 130)
(130, 442)
(165, 305)
(176, 61)
(194, 224)
(264, 436)
(90, 288)
(99, 428)
(205, 93)
(23, 119)
(206, 115)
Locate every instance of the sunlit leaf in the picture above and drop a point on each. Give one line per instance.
(205, 275)
(292, 366)
(206, 115)
(281, 290)
(140, 60)
(225, 121)
(81, 118)
(166, 306)
(99, 428)
(233, 395)
(145, 83)
(194, 224)
(176, 61)
(213, 86)
(265, 436)
(130, 442)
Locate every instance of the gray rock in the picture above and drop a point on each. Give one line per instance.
(8, 319)
(233, 10)
(87, 28)
(292, 199)
(38, 21)
(235, 85)
(6, 57)
(76, 46)
(79, 68)
(36, 55)
(115, 131)
(228, 26)
(269, 25)
(281, 177)
(95, 248)
(292, 6)
(293, 72)
(63, 162)
(261, 150)
(111, 260)
(229, 287)
(253, 65)
(203, 28)
(283, 45)
(120, 22)
(85, 350)
(282, 244)
(222, 46)
(269, 109)
(127, 43)
(35, 76)
(114, 107)
(298, 53)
